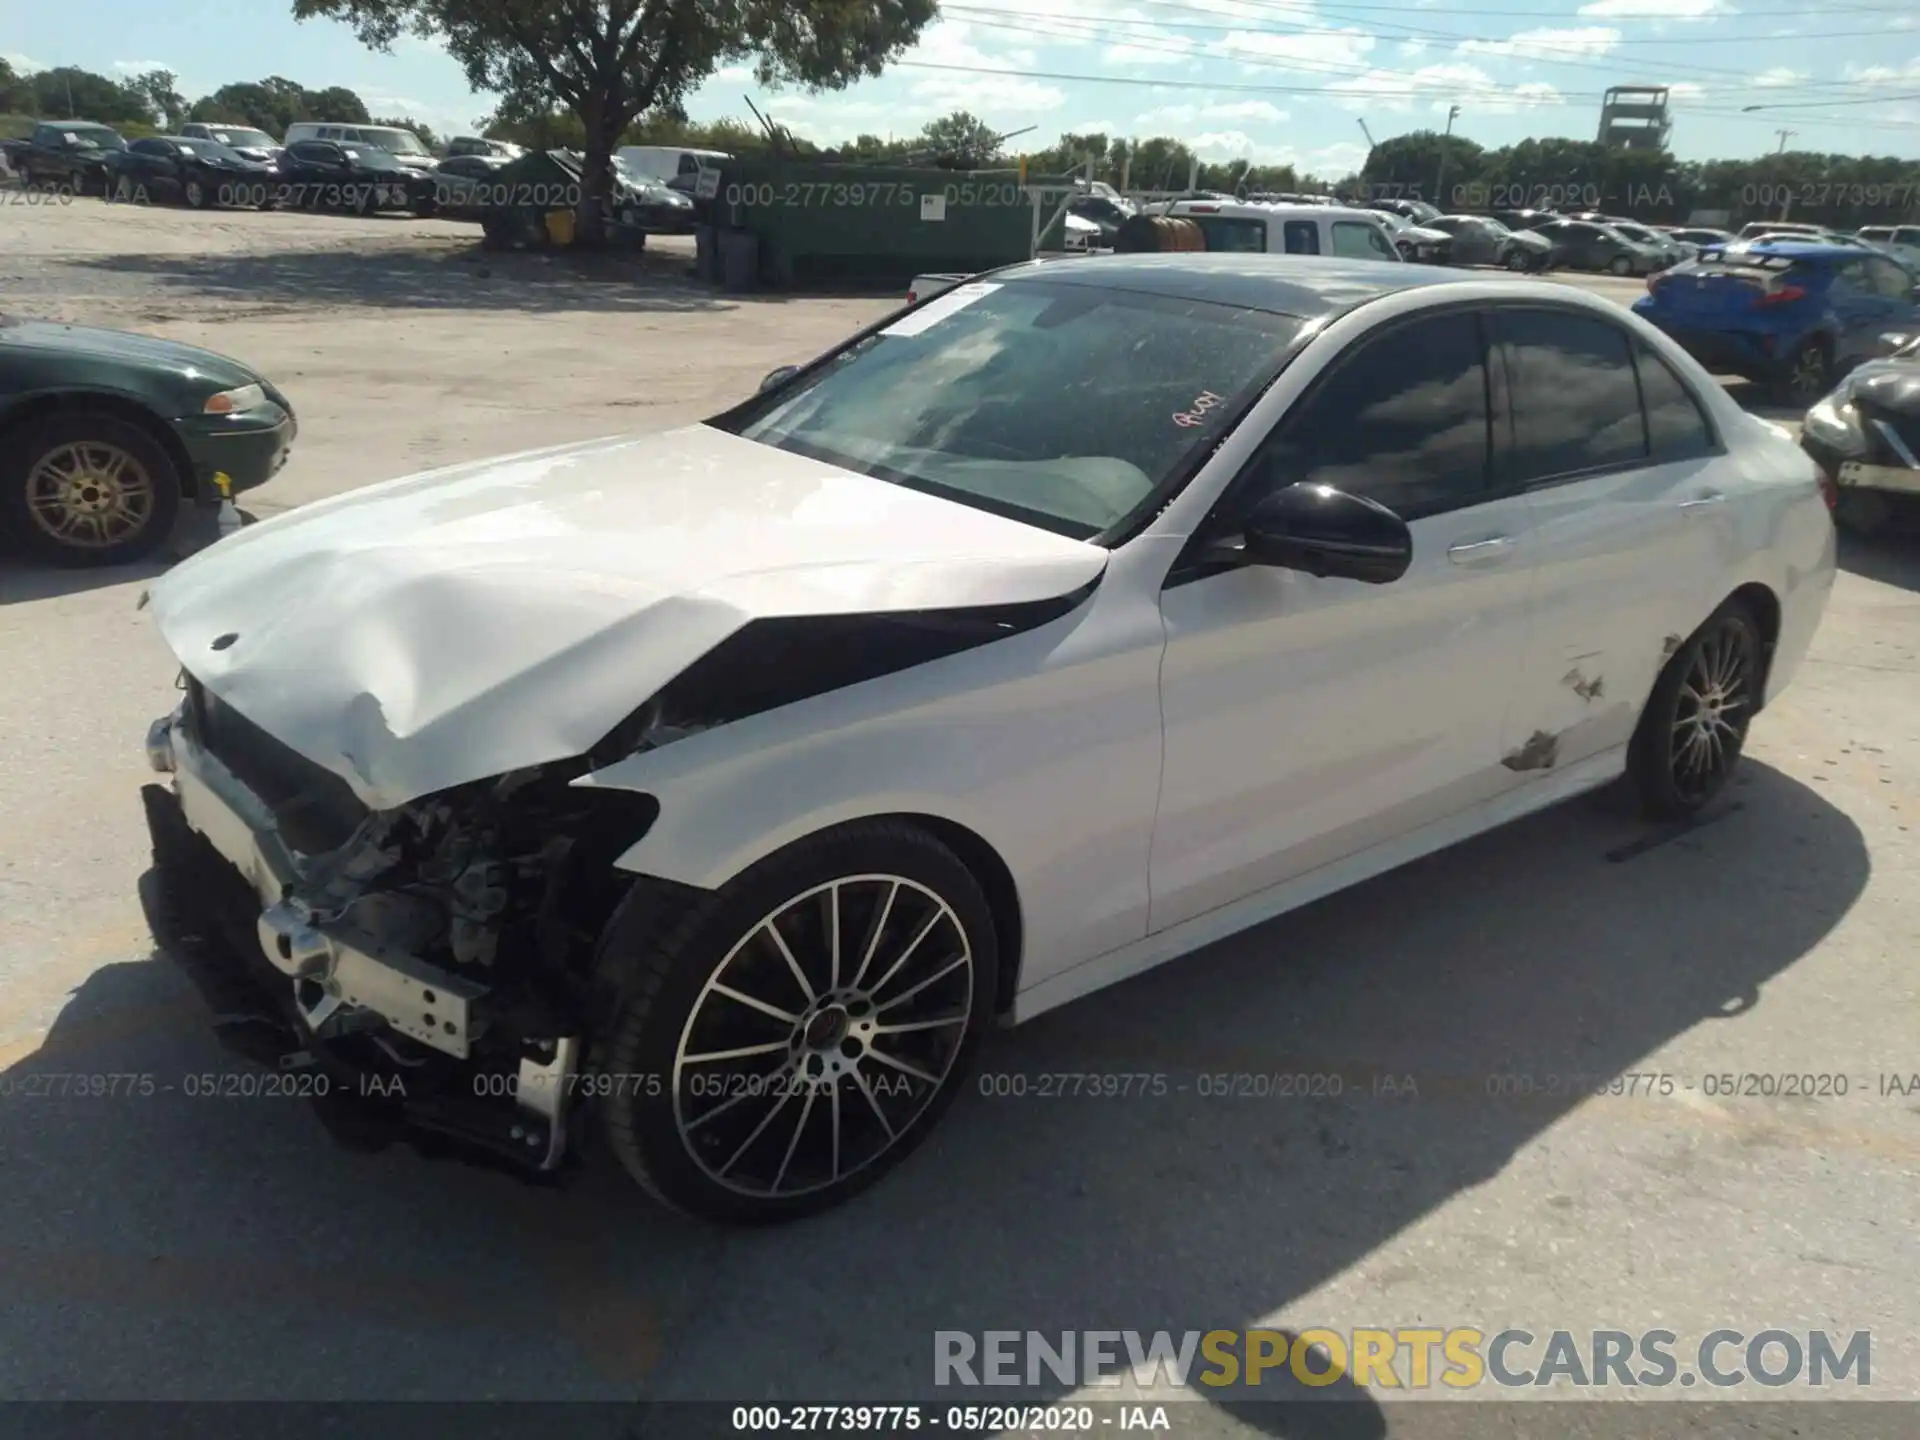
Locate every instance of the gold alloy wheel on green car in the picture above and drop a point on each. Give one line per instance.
(89, 494)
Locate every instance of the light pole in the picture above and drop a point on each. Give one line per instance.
(1440, 184)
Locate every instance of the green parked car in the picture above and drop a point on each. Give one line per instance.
(104, 433)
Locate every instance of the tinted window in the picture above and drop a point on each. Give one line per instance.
(1303, 237)
(1403, 420)
(149, 147)
(1906, 237)
(1229, 232)
(689, 164)
(1575, 403)
(1676, 424)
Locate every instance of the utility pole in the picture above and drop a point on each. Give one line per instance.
(1786, 201)
(1785, 135)
(1440, 184)
(1371, 143)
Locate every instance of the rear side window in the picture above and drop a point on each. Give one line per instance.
(689, 165)
(1403, 421)
(1576, 405)
(1353, 240)
(1888, 279)
(1232, 233)
(1676, 425)
(1303, 237)
(1908, 236)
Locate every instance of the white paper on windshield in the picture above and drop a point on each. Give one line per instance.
(939, 308)
(933, 207)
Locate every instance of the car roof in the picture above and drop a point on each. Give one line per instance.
(1802, 249)
(1283, 210)
(1304, 286)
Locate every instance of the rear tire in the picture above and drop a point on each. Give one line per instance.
(1517, 261)
(1808, 376)
(815, 1097)
(195, 194)
(1620, 265)
(1694, 728)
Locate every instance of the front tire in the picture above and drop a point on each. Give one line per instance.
(195, 194)
(1694, 728)
(1518, 262)
(1620, 265)
(795, 1034)
(1807, 377)
(86, 489)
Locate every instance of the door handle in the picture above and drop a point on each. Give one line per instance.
(1702, 504)
(1481, 552)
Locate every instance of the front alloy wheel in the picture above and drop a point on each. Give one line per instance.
(1695, 725)
(1807, 375)
(196, 195)
(87, 489)
(1517, 259)
(799, 1031)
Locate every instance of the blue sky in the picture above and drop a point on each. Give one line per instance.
(1270, 80)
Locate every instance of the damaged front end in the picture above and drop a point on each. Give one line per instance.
(435, 960)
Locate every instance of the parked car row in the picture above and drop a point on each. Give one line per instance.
(357, 169)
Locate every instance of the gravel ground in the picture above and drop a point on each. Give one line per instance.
(181, 1247)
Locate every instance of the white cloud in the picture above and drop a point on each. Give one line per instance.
(1656, 9)
(1684, 90)
(734, 74)
(1178, 115)
(140, 67)
(1907, 74)
(1779, 75)
(949, 42)
(1413, 47)
(1222, 145)
(1091, 127)
(1322, 52)
(1548, 43)
(23, 64)
(1440, 86)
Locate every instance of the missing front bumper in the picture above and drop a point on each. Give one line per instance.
(206, 912)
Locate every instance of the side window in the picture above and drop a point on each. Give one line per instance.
(689, 165)
(1232, 233)
(1889, 279)
(1381, 246)
(1403, 420)
(1910, 235)
(1575, 404)
(149, 147)
(1852, 276)
(1352, 240)
(1676, 425)
(1303, 237)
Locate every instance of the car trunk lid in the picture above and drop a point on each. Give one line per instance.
(1721, 284)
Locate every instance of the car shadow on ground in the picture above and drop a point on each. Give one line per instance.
(195, 1237)
(441, 275)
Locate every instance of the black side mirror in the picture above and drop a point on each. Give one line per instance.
(778, 377)
(1328, 533)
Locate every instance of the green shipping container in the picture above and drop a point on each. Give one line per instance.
(822, 222)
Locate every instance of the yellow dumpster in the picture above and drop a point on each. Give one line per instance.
(560, 227)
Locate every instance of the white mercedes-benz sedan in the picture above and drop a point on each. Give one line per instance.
(722, 787)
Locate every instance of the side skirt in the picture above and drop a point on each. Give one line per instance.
(1550, 788)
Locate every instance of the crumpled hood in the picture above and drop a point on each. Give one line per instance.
(1889, 384)
(454, 625)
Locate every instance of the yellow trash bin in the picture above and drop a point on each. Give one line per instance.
(560, 226)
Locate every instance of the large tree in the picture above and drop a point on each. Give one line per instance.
(276, 102)
(161, 90)
(611, 61)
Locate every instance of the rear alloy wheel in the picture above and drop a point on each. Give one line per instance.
(1695, 726)
(86, 489)
(1517, 260)
(1807, 377)
(800, 1030)
(1620, 265)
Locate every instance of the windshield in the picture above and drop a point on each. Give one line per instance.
(253, 139)
(210, 149)
(395, 142)
(370, 159)
(1059, 404)
(95, 137)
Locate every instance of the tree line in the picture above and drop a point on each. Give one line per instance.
(151, 103)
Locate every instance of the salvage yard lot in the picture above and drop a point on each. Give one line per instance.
(162, 1245)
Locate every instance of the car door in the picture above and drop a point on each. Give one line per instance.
(1862, 309)
(1630, 525)
(1308, 719)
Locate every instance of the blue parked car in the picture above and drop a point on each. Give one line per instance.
(1793, 315)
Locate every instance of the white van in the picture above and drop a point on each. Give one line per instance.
(403, 145)
(1289, 229)
(667, 163)
(1903, 241)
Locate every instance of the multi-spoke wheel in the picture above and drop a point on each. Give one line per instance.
(87, 489)
(799, 1030)
(1695, 724)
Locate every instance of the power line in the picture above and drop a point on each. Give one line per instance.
(1221, 86)
(1099, 34)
